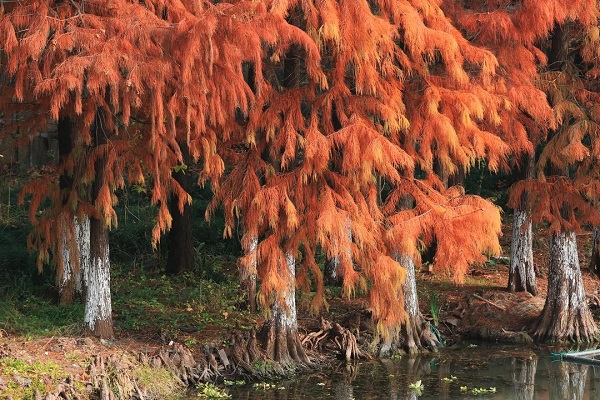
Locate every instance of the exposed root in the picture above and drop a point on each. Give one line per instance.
(345, 341)
(146, 376)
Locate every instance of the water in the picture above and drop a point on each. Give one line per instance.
(469, 372)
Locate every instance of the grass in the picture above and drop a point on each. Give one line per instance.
(150, 301)
(35, 317)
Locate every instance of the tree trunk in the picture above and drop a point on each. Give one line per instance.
(71, 279)
(595, 258)
(181, 243)
(416, 330)
(82, 234)
(566, 315)
(521, 276)
(331, 272)
(98, 308)
(280, 332)
(248, 276)
(411, 306)
(68, 270)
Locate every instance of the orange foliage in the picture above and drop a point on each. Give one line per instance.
(314, 156)
(330, 115)
(164, 73)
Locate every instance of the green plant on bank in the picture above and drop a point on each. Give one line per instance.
(28, 378)
(434, 308)
(211, 391)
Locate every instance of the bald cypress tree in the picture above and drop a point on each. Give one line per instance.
(306, 167)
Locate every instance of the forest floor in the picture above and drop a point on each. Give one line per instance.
(480, 309)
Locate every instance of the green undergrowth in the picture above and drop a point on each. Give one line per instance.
(176, 304)
(35, 317)
(143, 297)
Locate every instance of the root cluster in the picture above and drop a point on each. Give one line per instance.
(333, 334)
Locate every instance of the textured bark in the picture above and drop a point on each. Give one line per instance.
(331, 272)
(249, 276)
(68, 270)
(523, 375)
(82, 233)
(521, 277)
(181, 243)
(595, 257)
(280, 332)
(98, 308)
(67, 275)
(73, 270)
(566, 315)
(416, 331)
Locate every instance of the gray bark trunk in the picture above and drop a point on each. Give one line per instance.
(522, 272)
(566, 315)
(521, 276)
(82, 233)
(281, 329)
(411, 305)
(98, 308)
(75, 259)
(248, 275)
(416, 331)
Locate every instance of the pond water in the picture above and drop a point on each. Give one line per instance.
(466, 372)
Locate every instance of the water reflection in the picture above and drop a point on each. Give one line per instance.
(568, 380)
(343, 387)
(523, 375)
(467, 373)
